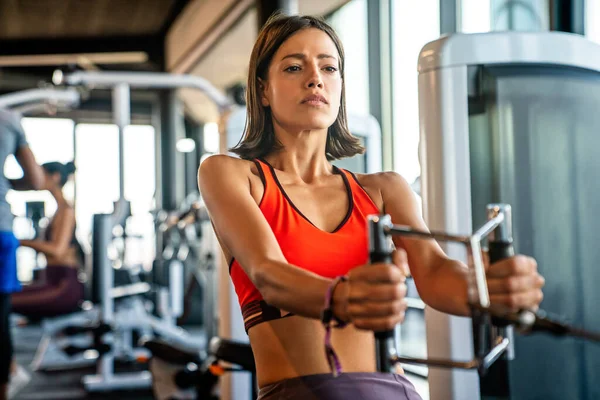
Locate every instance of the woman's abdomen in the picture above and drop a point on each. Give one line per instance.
(70, 258)
(294, 346)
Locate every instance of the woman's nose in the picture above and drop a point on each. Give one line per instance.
(315, 80)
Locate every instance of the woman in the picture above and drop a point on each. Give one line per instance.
(292, 225)
(61, 291)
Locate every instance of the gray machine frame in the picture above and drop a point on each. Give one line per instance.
(444, 148)
(499, 225)
(68, 97)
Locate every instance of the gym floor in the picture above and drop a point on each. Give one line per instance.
(66, 385)
(57, 385)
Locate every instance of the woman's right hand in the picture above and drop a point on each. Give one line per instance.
(374, 297)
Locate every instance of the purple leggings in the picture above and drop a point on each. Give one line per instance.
(354, 386)
(60, 293)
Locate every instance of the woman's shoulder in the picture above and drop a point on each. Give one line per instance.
(222, 168)
(223, 164)
(380, 180)
(380, 185)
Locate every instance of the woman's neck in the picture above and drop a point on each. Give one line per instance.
(58, 196)
(303, 154)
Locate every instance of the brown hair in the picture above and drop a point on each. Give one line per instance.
(259, 136)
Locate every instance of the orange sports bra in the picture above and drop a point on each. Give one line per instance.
(328, 254)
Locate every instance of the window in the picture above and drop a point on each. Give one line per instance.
(415, 23)
(592, 20)
(508, 15)
(97, 177)
(475, 16)
(95, 150)
(50, 139)
(350, 23)
(211, 137)
(97, 182)
(140, 187)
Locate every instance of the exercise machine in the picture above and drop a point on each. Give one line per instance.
(182, 371)
(493, 113)
(493, 325)
(23, 100)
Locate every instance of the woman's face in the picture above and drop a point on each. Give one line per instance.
(304, 85)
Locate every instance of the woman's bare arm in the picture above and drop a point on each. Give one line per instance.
(33, 174)
(62, 230)
(441, 281)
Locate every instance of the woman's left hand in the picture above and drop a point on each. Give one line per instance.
(515, 282)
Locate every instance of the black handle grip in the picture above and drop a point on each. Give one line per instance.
(379, 252)
(186, 378)
(96, 329)
(495, 382)
(500, 250)
(101, 348)
(382, 257)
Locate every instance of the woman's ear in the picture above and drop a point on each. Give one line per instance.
(262, 90)
(56, 178)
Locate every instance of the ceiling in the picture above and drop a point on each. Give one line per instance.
(38, 28)
(34, 19)
(208, 38)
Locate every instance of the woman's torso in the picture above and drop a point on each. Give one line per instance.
(72, 257)
(293, 346)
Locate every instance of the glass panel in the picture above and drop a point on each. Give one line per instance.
(97, 177)
(534, 144)
(50, 139)
(592, 20)
(98, 183)
(414, 23)
(502, 15)
(475, 16)
(140, 185)
(211, 137)
(350, 23)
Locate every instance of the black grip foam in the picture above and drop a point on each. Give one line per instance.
(500, 250)
(381, 256)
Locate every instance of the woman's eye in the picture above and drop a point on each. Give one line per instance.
(293, 68)
(331, 69)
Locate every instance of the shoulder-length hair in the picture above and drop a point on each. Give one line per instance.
(259, 136)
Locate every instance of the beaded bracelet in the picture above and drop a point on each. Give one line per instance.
(327, 317)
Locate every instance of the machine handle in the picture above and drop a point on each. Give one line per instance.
(498, 251)
(381, 256)
(494, 377)
(380, 251)
(500, 241)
